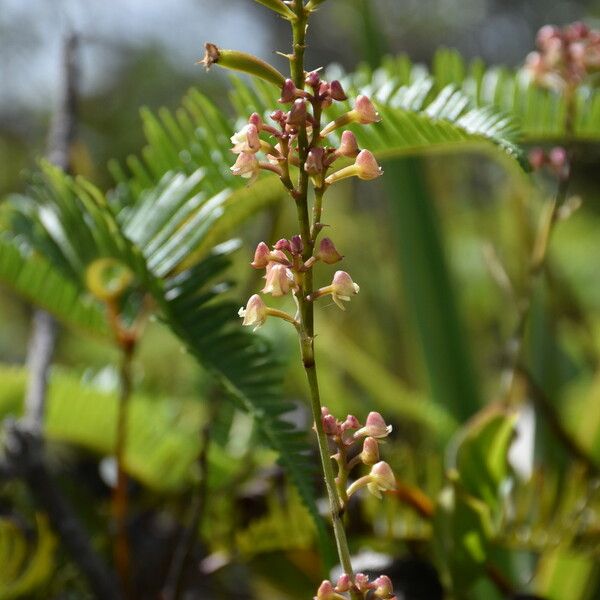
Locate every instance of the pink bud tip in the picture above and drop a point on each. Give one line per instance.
(255, 120)
(365, 111)
(328, 252)
(537, 158)
(351, 422)
(279, 280)
(288, 92)
(296, 245)
(367, 166)
(261, 256)
(337, 91)
(314, 161)
(349, 145)
(384, 588)
(330, 425)
(326, 591)
(361, 581)
(343, 583)
(282, 244)
(313, 79)
(297, 114)
(370, 452)
(547, 33)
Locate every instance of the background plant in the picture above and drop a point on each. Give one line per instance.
(571, 338)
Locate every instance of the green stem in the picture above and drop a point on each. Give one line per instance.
(306, 309)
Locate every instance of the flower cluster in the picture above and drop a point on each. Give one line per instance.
(381, 588)
(350, 436)
(284, 267)
(555, 160)
(345, 435)
(565, 57)
(281, 147)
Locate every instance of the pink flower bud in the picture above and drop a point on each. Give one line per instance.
(296, 245)
(278, 116)
(261, 256)
(279, 280)
(545, 34)
(313, 79)
(288, 92)
(537, 158)
(297, 114)
(328, 252)
(255, 313)
(375, 426)
(351, 422)
(343, 583)
(330, 425)
(382, 479)
(246, 165)
(342, 288)
(282, 245)
(349, 145)
(325, 591)
(370, 451)
(367, 166)
(314, 161)
(361, 581)
(559, 161)
(365, 111)
(576, 31)
(384, 588)
(337, 91)
(255, 119)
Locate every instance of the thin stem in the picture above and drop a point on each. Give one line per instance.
(121, 493)
(306, 309)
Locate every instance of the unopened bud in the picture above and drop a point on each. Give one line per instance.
(288, 92)
(343, 583)
(537, 158)
(261, 256)
(328, 252)
(330, 425)
(313, 79)
(325, 591)
(365, 111)
(297, 114)
(349, 145)
(351, 422)
(361, 581)
(559, 162)
(296, 245)
(337, 91)
(314, 161)
(283, 245)
(367, 165)
(256, 120)
(370, 451)
(384, 588)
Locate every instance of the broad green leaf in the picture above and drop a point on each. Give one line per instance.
(482, 454)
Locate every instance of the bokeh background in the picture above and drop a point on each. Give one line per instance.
(142, 53)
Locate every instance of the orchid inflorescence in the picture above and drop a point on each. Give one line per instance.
(345, 436)
(286, 263)
(565, 57)
(381, 588)
(295, 146)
